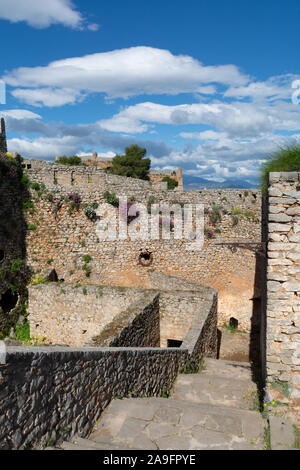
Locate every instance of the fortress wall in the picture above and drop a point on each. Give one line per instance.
(72, 315)
(283, 287)
(66, 237)
(49, 394)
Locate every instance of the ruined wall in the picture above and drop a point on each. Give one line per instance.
(72, 315)
(283, 287)
(61, 238)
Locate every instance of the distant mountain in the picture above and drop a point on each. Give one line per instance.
(193, 182)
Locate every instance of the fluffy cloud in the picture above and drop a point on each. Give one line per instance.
(41, 14)
(237, 118)
(47, 96)
(123, 73)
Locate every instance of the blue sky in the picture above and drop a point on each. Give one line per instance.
(206, 85)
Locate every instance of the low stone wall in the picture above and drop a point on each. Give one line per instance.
(71, 315)
(283, 286)
(51, 394)
(138, 326)
(202, 339)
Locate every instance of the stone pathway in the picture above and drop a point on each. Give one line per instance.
(208, 410)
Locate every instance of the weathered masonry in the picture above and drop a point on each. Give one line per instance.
(61, 238)
(49, 394)
(283, 287)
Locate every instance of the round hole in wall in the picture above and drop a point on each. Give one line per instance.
(146, 258)
(2, 256)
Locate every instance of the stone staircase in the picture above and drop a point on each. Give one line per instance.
(213, 409)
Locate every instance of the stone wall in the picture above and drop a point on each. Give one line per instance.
(137, 326)
(72, 315)
(51, 394)
(283, 287)
(63, 238)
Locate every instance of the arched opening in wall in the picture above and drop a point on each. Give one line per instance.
(2, 255)
(8, 301)
(174, 343)
(146, 259)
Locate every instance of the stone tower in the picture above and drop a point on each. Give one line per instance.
(3, 143)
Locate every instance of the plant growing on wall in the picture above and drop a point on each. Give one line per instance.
(285, 159)
(75, 201)
(172, 184)
(90, 210)
(111, 198)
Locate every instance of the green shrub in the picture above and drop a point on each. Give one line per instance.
(23, 332)
(87, 259)
(31, 227)
(285, 159)
(70, 161)
(111, 198)
(133, 164)
(172, 184)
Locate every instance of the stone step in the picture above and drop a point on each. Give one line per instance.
(282, 434)
(169, 424)
(216, 390)
(78, 443)
(230, 369)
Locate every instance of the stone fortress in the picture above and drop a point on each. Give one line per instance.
(124, 317)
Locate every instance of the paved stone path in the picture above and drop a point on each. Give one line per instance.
(208, 410)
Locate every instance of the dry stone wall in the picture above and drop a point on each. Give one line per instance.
(62, 238)
(283, 287)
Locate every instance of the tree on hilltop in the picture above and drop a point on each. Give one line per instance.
(133, 164)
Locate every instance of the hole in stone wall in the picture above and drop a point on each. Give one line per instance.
(146, 258)
(174, 343)
(28, 167)
(234, 323)
(8, 301)
(2, 256)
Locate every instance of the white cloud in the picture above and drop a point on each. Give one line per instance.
(50, 97)
(237, 118)
(19, 114)
(275, 88)
(124, 73)
(43, 13)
